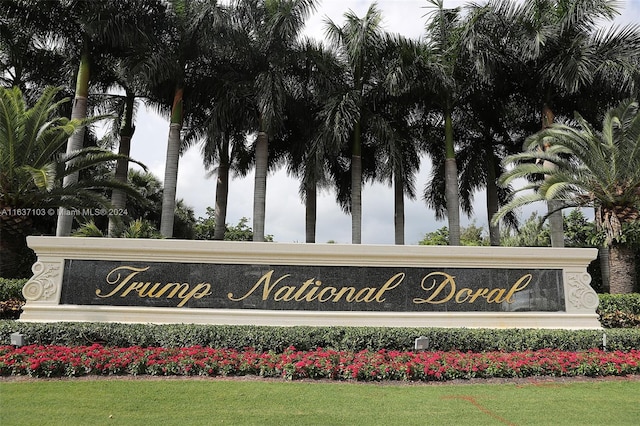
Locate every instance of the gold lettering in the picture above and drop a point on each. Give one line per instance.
(134, 286)
(459, 294)
(481, 292)
(113, 277)
(366, 294)
(298, 296)
(342, 291)
(151, 292)
(268, 287)
(175, 288)
(466, 295)
(287, 296)
(147, 289)
(495, 295)
(447, 282)
(519, 285)
(321, 297)
(389, 285)
(310, 297)
(198, 292)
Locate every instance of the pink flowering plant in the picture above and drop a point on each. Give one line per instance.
(64, 361)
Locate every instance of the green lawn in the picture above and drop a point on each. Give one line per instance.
(209, 402)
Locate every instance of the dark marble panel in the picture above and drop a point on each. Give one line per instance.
(322, 288)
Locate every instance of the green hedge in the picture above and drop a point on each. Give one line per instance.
(11, 298)
(619, 310)
(11, 288)
(264, 338)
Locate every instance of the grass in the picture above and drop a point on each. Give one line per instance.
(209, 402)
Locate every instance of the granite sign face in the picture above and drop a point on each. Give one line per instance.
(316, 288)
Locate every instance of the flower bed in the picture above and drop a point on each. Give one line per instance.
(63, 361)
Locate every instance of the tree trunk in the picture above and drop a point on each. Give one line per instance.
(622, 269)
(118, 197)
(222, 193)
(603, 257)
(556, 225)
(356, 186)
(556, 222)
(14, 253)
(171, 166)
(492, 201)
(452, 193)
(398, 207)
(260, 186)
(356, 199)
(76, 141)
(311, 208)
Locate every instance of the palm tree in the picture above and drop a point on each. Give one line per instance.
(84, 34)
(586, 167)
(177, 80)
(268, 32)
(359, 44)
(497, 112)
(316, 73)
(444, 35)
(128, 73)
(222, 129)
(31, 170)
(396, 124)
(27, 61)
(567, 53)
(41, 48)
(118, 197)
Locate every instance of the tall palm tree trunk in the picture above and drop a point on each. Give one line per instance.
(492, 200)
(398, 209)
(171, 166)
(356, 199)
(356, 187)
(76, 141)
(452, 194)
(311, 208)
(622, 269)
(605, 267)
(222, 194)
(556, 223)
(12, 245)
(118, 197)
(260, 186)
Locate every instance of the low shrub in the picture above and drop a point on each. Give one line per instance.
(11, 309)
(619, 310)
(263, 338)
(11, 288)
(11, 298)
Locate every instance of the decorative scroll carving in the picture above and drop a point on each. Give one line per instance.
(42, 286)
(580, 295)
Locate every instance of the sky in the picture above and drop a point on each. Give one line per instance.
(285, 217)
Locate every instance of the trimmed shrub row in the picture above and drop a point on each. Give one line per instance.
(263, 338)
(619, 310)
